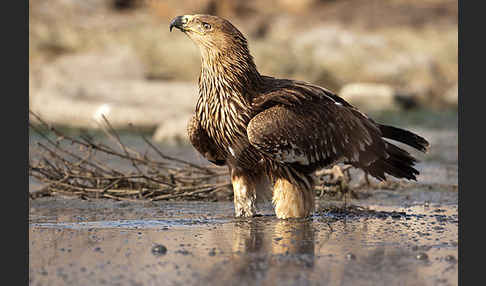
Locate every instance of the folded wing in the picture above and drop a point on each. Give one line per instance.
(309, 128)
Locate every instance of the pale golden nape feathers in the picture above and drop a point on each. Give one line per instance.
(279, 128)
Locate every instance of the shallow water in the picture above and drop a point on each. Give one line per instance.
(201, 243)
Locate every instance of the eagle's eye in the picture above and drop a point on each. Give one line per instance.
(206, 26)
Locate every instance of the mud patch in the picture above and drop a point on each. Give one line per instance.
(200, 243)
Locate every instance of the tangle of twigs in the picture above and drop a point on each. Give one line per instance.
(71, 166)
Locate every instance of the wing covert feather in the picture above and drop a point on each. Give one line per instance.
(315, 134)
(202, 143)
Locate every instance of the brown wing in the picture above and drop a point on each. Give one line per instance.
(309, 128)
(203, 144)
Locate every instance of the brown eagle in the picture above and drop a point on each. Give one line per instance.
(274, 133)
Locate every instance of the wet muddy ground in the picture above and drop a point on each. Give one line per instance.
(404, 236)
(193, 243)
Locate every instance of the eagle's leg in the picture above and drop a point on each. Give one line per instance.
(244, 191)
(292, 199)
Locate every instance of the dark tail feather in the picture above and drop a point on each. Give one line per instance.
(405, 137)
(399, 164)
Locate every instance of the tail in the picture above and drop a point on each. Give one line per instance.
(405, 137)
(398, 162)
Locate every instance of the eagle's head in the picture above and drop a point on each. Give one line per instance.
(226, 59)
(210, 32)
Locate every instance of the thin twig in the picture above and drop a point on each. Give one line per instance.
(84, 168)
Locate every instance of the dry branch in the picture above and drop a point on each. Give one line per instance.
(80, 166)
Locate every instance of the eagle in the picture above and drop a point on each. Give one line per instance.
(274, 133)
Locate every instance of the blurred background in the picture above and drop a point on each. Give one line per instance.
(117, 58)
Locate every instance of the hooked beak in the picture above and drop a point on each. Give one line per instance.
(178, 22)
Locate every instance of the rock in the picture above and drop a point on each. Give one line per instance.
(77, 90)
(114, 62)
(159, 250)
(139, 103)
(451, 96)
(392, 57)
(370, 96)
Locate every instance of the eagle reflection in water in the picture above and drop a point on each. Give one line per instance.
(265, 251)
